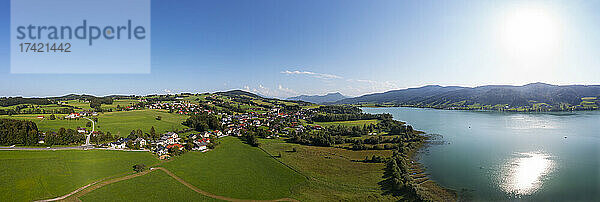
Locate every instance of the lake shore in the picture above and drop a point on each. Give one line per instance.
(430, 189)
(477, 153)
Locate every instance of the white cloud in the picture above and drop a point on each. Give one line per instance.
(333, 83)
(286, 90)
(312, 74)
(279, 92)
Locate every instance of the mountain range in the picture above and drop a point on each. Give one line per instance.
(319, 99)
(532, 95)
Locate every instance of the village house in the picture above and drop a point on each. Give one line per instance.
(72, 116)
(168, 139)
(140, 141)
(120, 144)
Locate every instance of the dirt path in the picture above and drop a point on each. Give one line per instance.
(74, 196)
(212, 195)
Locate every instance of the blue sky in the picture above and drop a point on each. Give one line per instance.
(285, 48)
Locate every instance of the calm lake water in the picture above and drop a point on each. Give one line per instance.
(491, 156)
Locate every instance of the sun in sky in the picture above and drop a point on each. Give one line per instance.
(531, 31)
(530, 40)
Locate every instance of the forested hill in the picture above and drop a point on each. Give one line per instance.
(318, 99)
(530, 97)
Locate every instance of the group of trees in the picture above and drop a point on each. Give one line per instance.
(344, 117)
(101, 137)
(397, 178)
(361, 146)
(203, 122)
(152, 134)
(331, 113)
(339, 109)
(64, 137)
(96, 102)
(18, 132)
(250, 138)
(352, 131)
(139, 167)
(394, 127)
(376, 159)
(315, 138)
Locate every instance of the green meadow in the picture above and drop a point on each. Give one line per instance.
(336, 176)
(155, 186)
(35, 175)
(236, 170)
(121, 123)
(118, 123)
(79, 104)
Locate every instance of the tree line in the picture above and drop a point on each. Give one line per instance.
(21, 132)
(398, 181)
(348, 117)
(64, 137)
(203, 122)
(10, 101)
(339, 109)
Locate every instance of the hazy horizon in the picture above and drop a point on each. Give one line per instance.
(322, 94)
(284, 49)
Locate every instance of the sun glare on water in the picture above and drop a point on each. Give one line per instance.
(524, 174)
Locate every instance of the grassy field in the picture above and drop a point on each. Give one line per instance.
(34, 175)
(349, 123)
(80, 104)
(236, 170)
(155, 186)
(122, 103)
(46, 124)
(118, 123)
(85, 106)
(121, 123)
(336, 176)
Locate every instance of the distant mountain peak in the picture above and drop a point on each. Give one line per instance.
(538, 84)
(489, 95)
(319, 99)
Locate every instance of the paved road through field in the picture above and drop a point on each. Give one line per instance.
(87, 139)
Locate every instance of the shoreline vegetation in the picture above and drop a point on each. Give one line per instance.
(429, 188)
(426, 189)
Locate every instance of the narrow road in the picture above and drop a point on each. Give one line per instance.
(40, 148)
(87, 140)
(98, 184)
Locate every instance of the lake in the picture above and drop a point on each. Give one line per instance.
(490, 156)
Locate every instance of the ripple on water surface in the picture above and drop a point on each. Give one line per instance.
(524, 173)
